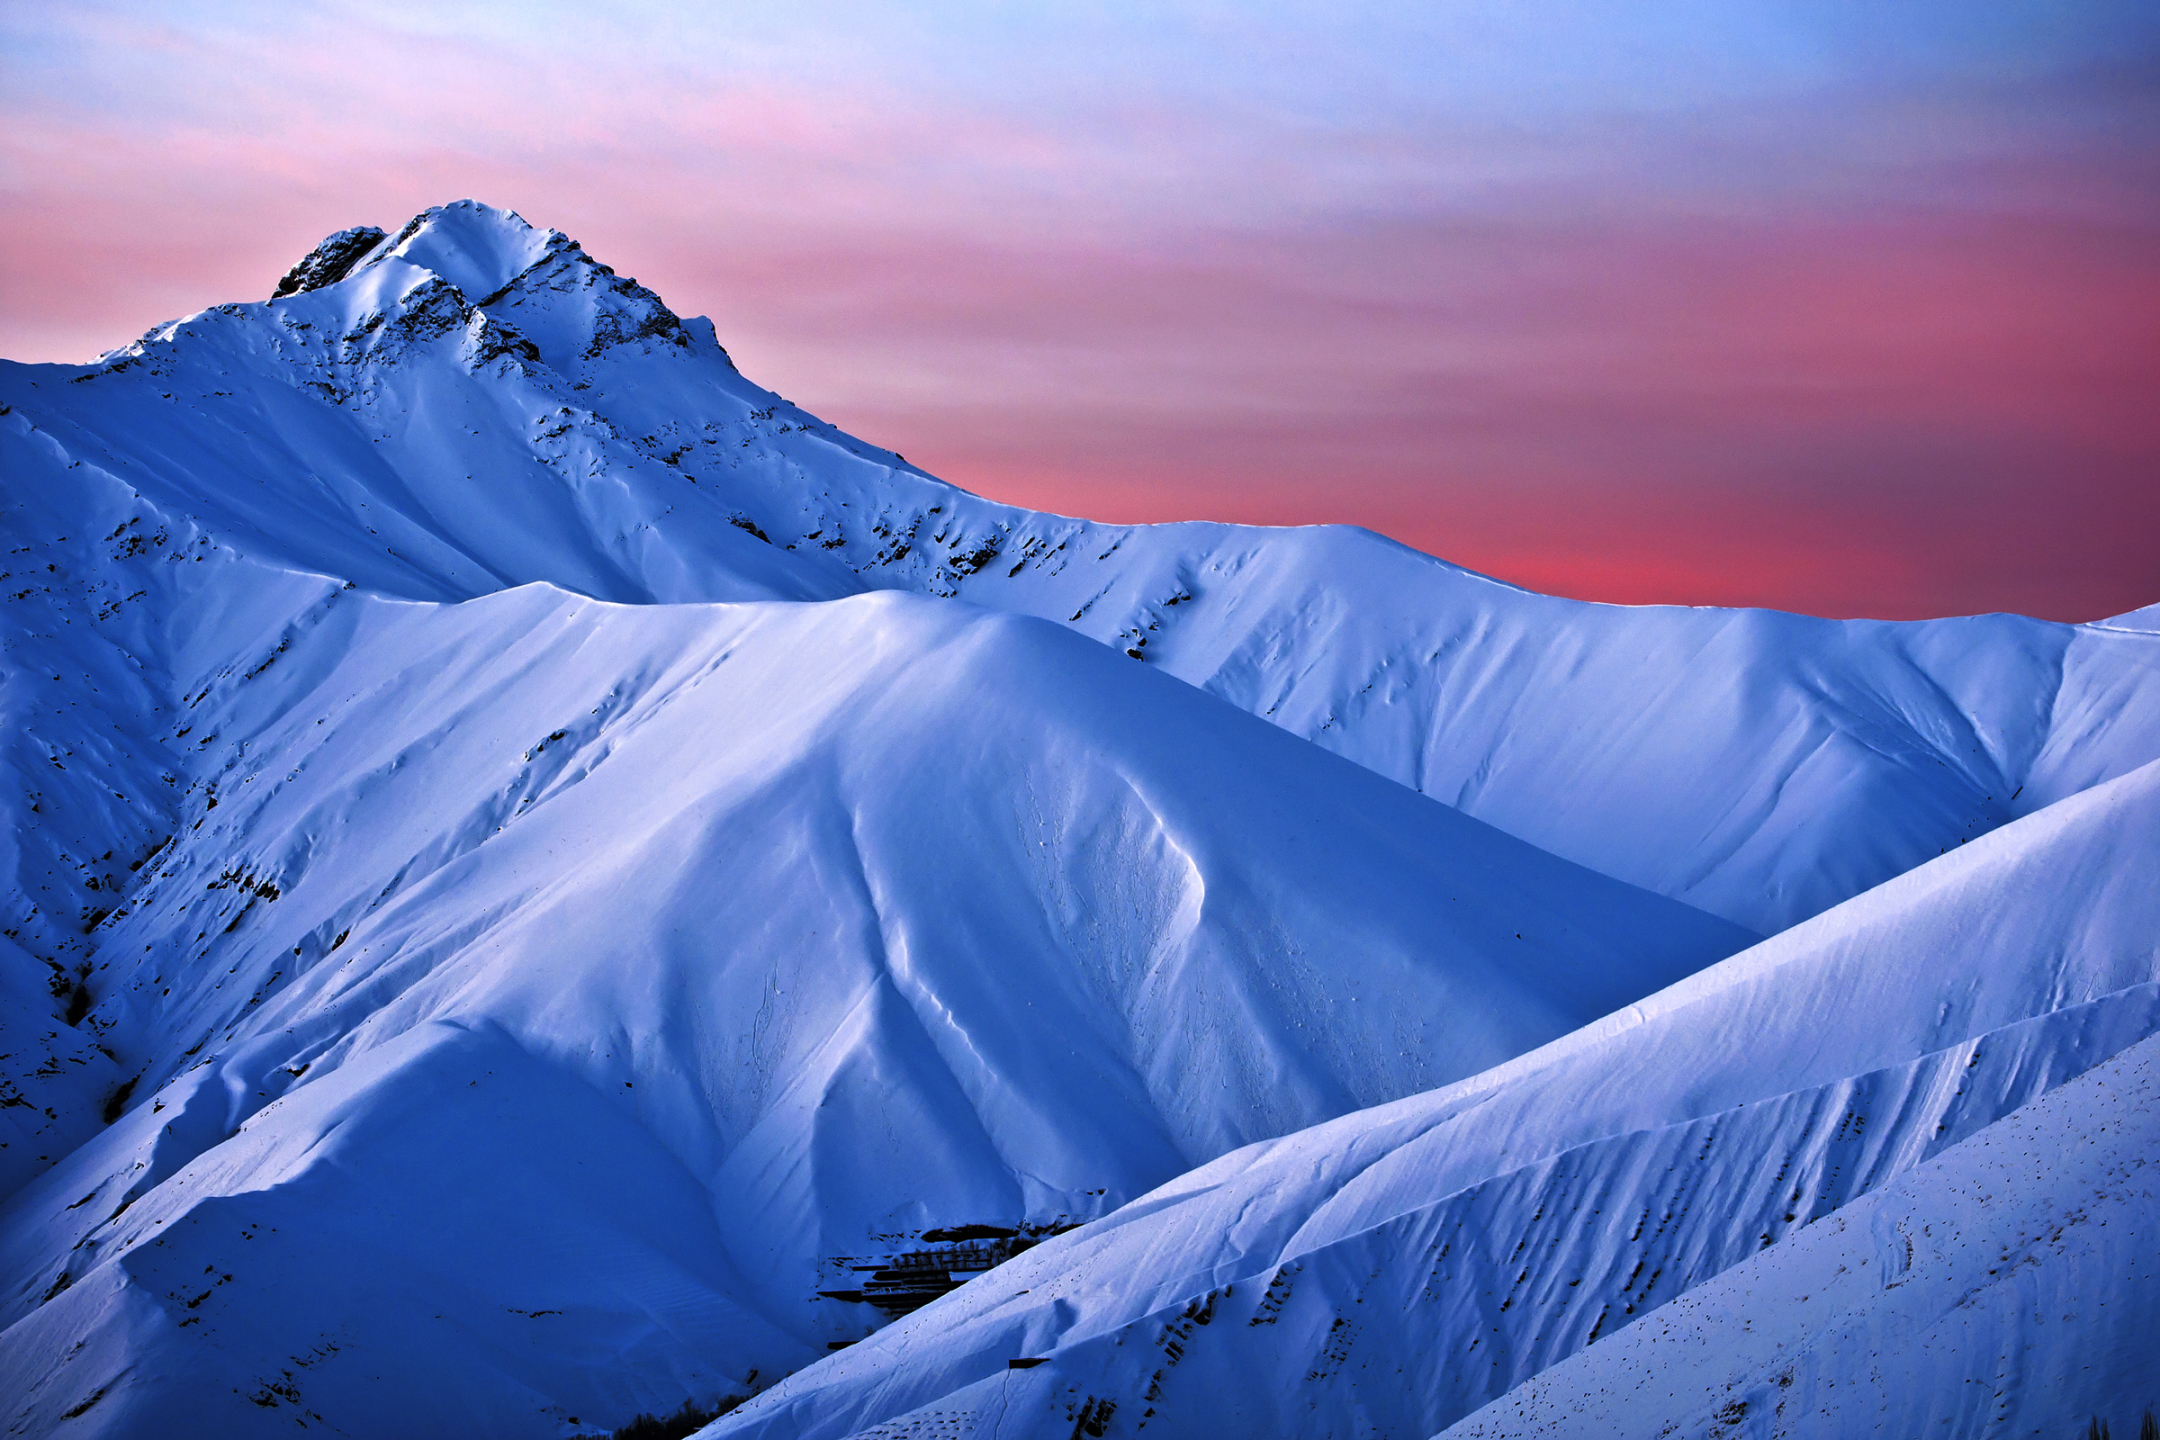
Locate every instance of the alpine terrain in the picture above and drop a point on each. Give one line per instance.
(546, 884)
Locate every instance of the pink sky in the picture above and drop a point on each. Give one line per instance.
(1803, 327)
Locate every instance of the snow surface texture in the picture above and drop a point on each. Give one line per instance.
(533, 856)
(1390, 1272)
(2027, 1296)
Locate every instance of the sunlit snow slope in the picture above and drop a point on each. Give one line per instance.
(477, 403)
(1390, 1272)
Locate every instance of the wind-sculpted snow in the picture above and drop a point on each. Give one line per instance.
(1391, 1272)
(477, 403)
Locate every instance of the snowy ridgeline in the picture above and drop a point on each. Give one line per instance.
(545, 874)
(1391, 1272)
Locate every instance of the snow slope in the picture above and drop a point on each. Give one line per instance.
(542, 999)
(475, 403)
(1391, 1272)
(2009, 1286)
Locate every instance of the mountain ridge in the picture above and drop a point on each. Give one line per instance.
(1892, 741)
(539, 865)
(859, 918)
(1499, 1226)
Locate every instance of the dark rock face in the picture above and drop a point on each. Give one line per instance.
(330, 261)
(903, 1282)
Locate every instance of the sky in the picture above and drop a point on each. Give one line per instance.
(1845, 308)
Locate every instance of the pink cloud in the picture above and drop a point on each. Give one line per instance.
(1912, 389)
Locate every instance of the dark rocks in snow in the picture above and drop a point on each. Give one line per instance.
(330, 261)
(902, 1283)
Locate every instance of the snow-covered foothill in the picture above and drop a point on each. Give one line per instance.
(751, 939)
(1393, 1271)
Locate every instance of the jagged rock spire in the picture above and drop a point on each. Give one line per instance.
(330, 261)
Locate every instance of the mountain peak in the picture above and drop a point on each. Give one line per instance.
(330, 261)
(476, 247)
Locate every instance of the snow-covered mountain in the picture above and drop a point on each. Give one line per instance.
(879, 916)
(1391, 1272)
(474, 403)
(538, 866)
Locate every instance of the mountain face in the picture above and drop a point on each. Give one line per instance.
(1993, 1249)
(548, 882)
(1391, 1272)
(474, 404)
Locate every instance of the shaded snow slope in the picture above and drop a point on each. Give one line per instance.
(474, 403)
(2008, 1286)
(1391, 1272)
(541, 999)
